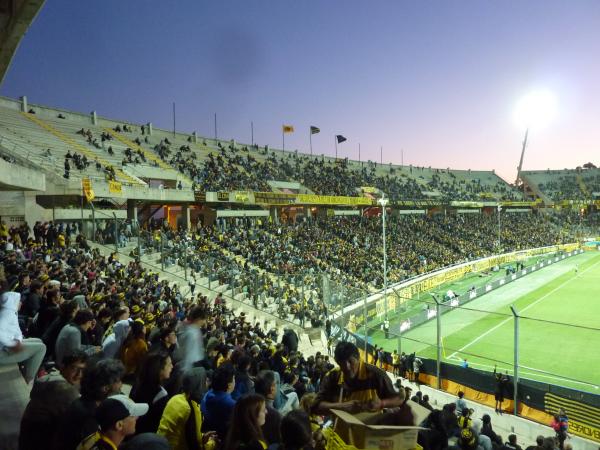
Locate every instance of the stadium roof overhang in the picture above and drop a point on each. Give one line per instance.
(15, 18)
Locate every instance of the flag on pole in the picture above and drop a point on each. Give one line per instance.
(314, 130)
(288, 128)
(340, 138)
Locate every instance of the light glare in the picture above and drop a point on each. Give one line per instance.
(536, 110)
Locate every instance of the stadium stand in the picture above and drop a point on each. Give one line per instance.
(175, 273)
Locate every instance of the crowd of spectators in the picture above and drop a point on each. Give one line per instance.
(81, 324)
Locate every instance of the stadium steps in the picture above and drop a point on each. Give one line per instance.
(149, 155)
(253, 315)
(90, 155)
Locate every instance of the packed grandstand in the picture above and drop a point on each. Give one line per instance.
(166, 290)
(146, 290)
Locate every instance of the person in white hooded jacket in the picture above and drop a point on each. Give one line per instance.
(13, 348)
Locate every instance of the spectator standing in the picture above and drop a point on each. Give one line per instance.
(360, 386)
(190, 339)
(500, 381)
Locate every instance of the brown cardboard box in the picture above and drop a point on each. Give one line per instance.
(355, 430)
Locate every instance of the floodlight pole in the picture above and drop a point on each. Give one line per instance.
(383, 202)
(516, 362)
(116, 234)
(438, 315)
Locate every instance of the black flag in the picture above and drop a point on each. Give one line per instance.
(314, 130)
(340, 138)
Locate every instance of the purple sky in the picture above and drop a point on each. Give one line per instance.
(437, 79)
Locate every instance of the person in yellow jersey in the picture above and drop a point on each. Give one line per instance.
(355, 386)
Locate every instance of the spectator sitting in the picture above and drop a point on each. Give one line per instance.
(512, 443)
(99, 381)
(539, 444)
(296, 432)
(247, 419)
(217, 403)
(265, 385)
(148, 388)
(176, 421)
(13, 348)
(73, 337)
(117, 417)
(111, 345)
(50, 398)
(487, 430)
(461, 404)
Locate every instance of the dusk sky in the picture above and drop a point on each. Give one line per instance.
(439, 79)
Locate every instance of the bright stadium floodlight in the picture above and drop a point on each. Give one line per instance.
(536, 109)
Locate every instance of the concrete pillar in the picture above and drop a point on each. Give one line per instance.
(185, 216)
(150, 128)
(274, 214)
(94, 118)
(132, 212)
(194, 137)
(24, 107)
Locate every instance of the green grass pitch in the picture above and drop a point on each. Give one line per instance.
(483, 332)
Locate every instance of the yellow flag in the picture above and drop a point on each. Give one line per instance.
(288, 128)
(114, 187)
(86, 184)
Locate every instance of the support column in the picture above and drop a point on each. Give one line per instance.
(94, 118)
(150, 128)
(24, 106)
(185, 216)
(132, 212)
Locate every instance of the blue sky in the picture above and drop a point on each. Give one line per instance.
(438, 80)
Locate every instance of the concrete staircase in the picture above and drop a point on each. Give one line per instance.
(309, 343)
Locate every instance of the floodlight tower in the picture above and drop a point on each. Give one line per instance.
(383, 202)
(522, 156)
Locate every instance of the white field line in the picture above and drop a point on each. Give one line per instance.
(523, 310)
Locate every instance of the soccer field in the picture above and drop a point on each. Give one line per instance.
(559, 328)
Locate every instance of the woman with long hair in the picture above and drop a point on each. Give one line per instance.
(148, 388)
(245, 428)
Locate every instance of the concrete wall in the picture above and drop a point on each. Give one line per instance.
(13, 176)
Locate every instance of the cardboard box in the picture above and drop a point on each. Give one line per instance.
(355, 430)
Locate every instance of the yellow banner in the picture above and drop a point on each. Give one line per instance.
(434, 281)
(114, 187)
(87, 189)
(369, 189)
(332, 200)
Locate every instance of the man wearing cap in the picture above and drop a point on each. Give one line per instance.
(117, 416)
